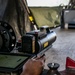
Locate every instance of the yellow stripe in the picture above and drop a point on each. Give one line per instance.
(31, 18)
(33, 46)
(45, 44)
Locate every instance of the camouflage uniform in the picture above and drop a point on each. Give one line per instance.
(8, 13)
(11, 11)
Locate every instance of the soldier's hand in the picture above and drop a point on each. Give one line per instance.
(34, 66)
